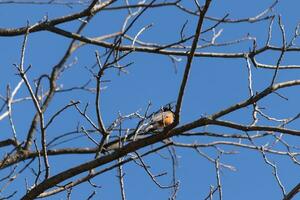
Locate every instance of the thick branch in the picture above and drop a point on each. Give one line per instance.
(44, 24)
(189, 62)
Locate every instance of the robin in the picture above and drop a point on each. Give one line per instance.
(156, 122)
(160, 120)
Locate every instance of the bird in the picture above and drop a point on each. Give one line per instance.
(160, 120)
(155, 122)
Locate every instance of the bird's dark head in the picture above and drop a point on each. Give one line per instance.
(168, 107)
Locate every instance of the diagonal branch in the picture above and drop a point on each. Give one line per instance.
(292, 193)
(93, 8)
(189, 62)
(22, 73)
(255, 98)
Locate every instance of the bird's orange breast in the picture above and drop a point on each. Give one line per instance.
(168, 119)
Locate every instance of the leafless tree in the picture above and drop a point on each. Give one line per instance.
(30, 153)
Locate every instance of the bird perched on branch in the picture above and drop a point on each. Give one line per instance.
(157, 121)
(160, 120)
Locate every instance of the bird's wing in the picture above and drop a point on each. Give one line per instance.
(156, 118)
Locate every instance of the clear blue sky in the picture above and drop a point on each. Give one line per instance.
(214, 84)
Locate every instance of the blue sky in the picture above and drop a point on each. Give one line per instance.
(214, 84)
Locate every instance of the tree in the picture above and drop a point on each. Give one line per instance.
(91, 74)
